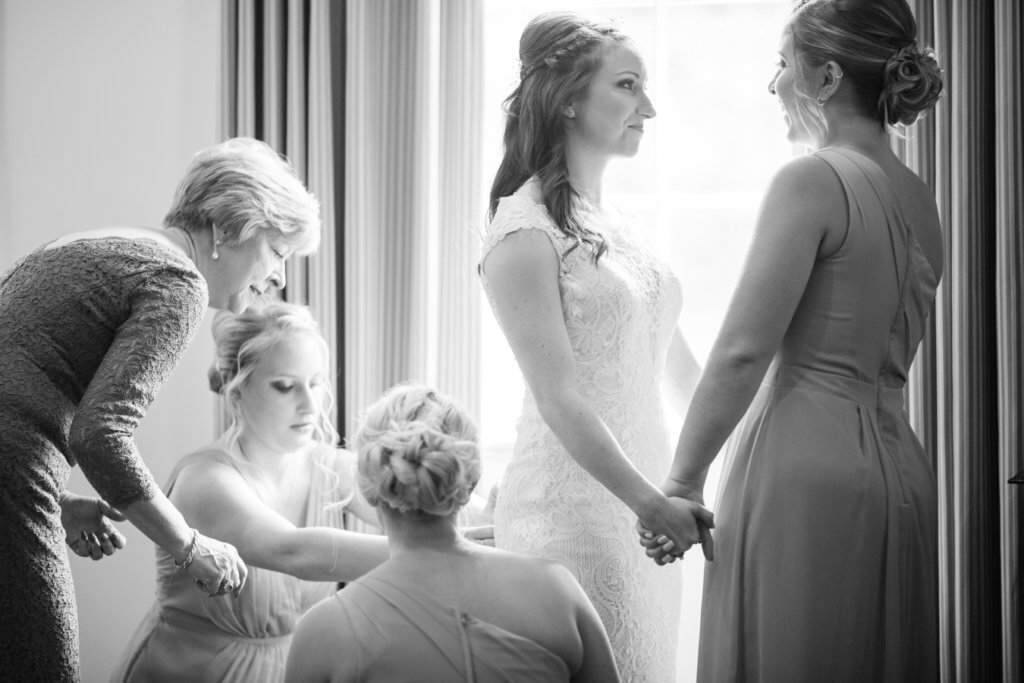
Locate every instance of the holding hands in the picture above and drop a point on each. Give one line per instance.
(88, 530)
(684, 523)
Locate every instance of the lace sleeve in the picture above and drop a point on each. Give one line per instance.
(517, 213)
(166, 311)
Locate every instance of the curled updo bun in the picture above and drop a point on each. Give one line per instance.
(875, 44)
(417, 453)
(913, 83)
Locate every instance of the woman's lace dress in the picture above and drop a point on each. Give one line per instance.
(620, 316)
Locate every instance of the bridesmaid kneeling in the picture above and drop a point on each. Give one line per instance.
(443, 608)
(274, 486)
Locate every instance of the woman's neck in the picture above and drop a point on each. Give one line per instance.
(433, 534)
(586, 172)
(271, 462)
(859, 132)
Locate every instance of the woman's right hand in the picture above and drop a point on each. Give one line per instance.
(216, 568)
(672, 526)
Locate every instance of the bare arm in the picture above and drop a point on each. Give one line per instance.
(522, 278)
(322, 647)
(218, 502)
(598, 663)
(803, 214)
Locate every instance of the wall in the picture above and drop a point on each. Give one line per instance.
(102, 103)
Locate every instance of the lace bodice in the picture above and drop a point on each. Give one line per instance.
(620, 315)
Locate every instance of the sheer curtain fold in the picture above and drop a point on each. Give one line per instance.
(411, 196)
(966, 388)
(281, 72)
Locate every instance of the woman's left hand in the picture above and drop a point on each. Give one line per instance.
(484, 535)
(88, 530)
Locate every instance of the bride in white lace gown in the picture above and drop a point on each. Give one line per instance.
(590, 314)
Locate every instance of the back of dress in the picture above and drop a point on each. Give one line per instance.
(826, 536)
(865, 306)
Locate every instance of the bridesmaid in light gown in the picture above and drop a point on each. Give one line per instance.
(826, 562)
(276, 486)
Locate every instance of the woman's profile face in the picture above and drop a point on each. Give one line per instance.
(282, 399)
(802, 124)
(246, 270)
(611, 114)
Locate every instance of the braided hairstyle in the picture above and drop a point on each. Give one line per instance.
(559, 53)
(417, 453)
(875, 43)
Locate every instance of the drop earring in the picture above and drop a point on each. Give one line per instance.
(216, 255)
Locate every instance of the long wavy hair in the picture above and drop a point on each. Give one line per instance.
(559, 53)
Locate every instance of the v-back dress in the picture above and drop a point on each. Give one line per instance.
(188, 636)
(397, 632)
(826, 563)
(620, 316)
(88, 332)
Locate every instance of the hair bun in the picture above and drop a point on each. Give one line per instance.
(216, 379)
(913, 83)
(417, 453)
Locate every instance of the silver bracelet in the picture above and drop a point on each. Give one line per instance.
(191, 553)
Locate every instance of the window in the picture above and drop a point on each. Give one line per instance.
(703, 165)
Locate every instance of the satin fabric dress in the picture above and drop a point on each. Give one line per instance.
(620, 315)
(396, 632)
(188, 636)
(826, 565)
(88, 332)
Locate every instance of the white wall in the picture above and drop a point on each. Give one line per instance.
(101, 105)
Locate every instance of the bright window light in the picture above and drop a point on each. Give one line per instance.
(703, 166)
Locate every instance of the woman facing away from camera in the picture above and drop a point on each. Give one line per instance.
(91, 325)
(826, 563)
(275, 486)
(591, 315)
(442, 608)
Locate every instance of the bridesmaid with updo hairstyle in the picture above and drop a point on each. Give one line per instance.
(275, 485)
(442, 608)
(826, 564)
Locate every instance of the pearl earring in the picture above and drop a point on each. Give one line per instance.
(215, 255)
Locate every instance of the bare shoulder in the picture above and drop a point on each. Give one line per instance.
(808, 178)
(202, 479)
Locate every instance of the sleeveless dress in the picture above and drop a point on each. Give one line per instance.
(620, 316)
(88, 333)
(399, 633)
(826, 564)
(188, 636)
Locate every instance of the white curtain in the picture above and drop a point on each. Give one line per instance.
(413, 209)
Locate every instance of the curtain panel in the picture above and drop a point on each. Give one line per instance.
(967, 386)
(412, 201)
(282, 70)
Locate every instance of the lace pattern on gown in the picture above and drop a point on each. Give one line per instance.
(620, 315)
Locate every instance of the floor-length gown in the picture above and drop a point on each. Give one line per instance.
(189, 636)
(826, 564)
(620, 316)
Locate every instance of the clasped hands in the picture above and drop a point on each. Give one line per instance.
(678, 523)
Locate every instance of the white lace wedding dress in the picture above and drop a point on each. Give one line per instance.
(620, 316)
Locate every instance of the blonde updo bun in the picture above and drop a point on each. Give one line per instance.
(913, 83)
(417, 453)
